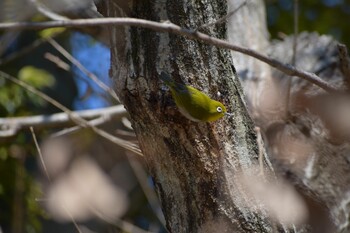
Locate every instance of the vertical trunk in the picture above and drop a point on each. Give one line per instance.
(193, 165)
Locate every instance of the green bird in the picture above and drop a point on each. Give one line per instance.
(192, 103)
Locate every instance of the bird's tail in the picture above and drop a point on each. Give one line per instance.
(167, 79)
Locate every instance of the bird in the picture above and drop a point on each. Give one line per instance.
(193, 103)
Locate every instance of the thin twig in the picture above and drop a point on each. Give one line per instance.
(40, 154)
(123, 225)
(141, 177)
(57, 61)
(74, 117)
(48, 176)
(93, 77)
(46, 11)
(94, 122)
(71, 217)
(262, 152)
(175, 29)
(6, 41)
(12, 125)
(25, 50)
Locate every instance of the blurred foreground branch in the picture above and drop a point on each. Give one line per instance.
(12, 125)
(175, 29)
(74, 117)
(89, 74)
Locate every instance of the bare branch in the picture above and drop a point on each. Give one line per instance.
(94, 122)
(15, 124)
(126, 226)
(262, 152)
(74, 117)
(58, 61)
(24, 50)
(9, 132)
(141, 177)
(93, 77)
(47, 173)
(40, 154)
(175, 29)
(47, 12)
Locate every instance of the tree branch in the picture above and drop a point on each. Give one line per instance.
(15, 124)
(89, 74)
(74, 117)
(175, 29)
(10, 57)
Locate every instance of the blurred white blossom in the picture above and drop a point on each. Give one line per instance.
(85, 192)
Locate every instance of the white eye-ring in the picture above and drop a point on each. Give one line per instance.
(219, 109)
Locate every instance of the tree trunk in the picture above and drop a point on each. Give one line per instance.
(193, 165)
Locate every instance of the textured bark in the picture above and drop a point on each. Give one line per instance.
(193, 165)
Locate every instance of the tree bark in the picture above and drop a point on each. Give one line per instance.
(193, 165)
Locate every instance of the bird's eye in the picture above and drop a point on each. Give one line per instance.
(219, 109)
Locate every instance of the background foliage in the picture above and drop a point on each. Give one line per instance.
(329, 17)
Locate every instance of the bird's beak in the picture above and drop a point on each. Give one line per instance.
(228, 114)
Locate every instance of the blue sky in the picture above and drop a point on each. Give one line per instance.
(96, 58)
